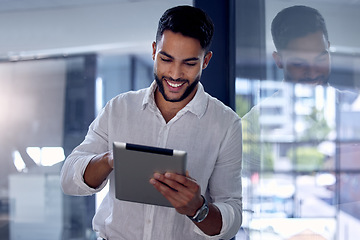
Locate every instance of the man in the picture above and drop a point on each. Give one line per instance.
(302, 45)
(174, 112)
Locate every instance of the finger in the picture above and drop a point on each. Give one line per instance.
(171, 188)
(168, 183)
(178, 200)
(183, 203)
(164, 189)
(184, 195)
(186, 181)
(186, 188)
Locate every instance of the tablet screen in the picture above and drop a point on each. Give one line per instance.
(135, 164)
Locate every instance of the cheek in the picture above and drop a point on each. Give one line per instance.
(158, 67)
(194, 72)
(295, 70)
(324, 68)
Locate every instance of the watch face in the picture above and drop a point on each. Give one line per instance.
(203, 213)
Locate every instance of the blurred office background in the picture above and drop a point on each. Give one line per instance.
(62, 60)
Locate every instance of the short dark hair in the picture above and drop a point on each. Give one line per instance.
(294, 22)
(189, 21)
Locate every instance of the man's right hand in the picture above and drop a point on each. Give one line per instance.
(98, 169)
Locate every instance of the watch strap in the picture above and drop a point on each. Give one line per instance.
(201, 213)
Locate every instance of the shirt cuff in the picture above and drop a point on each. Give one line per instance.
(227, 215)
(80, 167)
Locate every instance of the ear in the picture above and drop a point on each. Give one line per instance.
(278, 60)
(154, 50)
(207, 59)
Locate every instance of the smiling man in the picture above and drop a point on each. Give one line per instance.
(178, 64)
(302, 45)
(174, 112)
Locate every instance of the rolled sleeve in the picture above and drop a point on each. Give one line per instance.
(228, 219)
(72, 178)
(79, 178)
(72, 172)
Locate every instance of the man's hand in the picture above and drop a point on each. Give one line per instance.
(98, 169)
(182, 191)
(185, 195)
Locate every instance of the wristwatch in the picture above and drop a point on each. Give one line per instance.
(202, 213)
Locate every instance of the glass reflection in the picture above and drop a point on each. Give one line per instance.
(300, 140)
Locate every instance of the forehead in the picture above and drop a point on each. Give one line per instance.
(311, 43)
(179, 45)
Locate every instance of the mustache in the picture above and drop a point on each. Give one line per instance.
(319, 80)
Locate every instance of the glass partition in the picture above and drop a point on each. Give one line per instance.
(47, 106)
(300, 141)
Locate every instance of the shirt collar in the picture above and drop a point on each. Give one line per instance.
(197, 105)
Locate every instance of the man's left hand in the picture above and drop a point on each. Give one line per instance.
(182, 191)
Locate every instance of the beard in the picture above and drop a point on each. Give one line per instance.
(321, 80)
(188, 91)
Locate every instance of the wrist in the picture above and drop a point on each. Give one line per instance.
(201, 213)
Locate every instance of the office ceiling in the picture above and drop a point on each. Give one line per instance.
(41, 28)
(28, 5)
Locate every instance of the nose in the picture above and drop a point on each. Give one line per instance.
(313, 72)
(176, 71)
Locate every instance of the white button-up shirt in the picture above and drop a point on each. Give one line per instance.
(205, 128)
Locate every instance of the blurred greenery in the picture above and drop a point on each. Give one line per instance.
(257, 155)
(317, 126)
(242, 105)
(306, 158)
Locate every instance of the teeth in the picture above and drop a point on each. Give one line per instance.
(175, 85)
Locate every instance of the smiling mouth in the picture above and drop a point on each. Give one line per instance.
(316, 81)
(174, 85)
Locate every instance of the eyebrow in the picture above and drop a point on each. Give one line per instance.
(185, 60)
(323, 53)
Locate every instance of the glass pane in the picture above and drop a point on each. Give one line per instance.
(300, 141)
(31, 146)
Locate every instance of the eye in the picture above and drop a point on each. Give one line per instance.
(190, 64)
(298, 64)
(165, 59)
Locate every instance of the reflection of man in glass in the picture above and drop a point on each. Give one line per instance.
(302, 46)
(302, 52)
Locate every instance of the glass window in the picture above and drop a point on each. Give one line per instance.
(300, 140)
(31, 146)
(47, 106)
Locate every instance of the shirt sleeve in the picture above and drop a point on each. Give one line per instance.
(225, 187)
(95, 142)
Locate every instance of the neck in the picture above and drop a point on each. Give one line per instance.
(169, 109)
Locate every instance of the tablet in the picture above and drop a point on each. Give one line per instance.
(135, 164)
